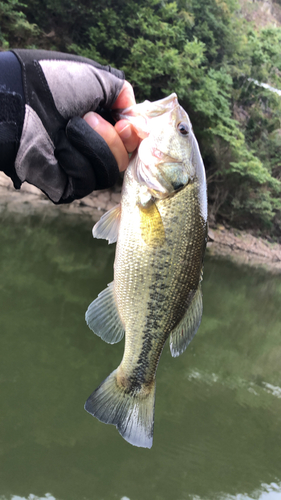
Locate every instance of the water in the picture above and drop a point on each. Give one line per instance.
(218, 406)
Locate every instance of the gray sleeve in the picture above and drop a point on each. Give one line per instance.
(78, 87)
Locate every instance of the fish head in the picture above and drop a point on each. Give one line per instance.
(168, 157)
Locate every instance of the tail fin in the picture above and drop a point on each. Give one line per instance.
(132, 414)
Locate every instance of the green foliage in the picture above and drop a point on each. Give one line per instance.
(14, 26)
(205, 52)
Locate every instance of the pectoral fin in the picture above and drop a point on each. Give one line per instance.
(102, 317)
(151, 224)
(184, 332)
(108, 226)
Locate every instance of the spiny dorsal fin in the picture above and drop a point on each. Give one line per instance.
(102, 317)
(184, 332)
(108, 226)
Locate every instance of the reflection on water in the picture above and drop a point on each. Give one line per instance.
(218, 406)
(267, 492)
(48, 496)
(254, 388)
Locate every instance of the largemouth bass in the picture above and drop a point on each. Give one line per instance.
(161, 231)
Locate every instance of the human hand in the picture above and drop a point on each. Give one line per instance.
(59, 151)
(122, 138)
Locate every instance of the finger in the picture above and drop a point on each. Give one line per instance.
(126, 97)
(127, 134)
(111, 137)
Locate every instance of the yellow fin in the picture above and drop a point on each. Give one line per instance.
(151, 225)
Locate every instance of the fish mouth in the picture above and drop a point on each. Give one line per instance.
(140, 114)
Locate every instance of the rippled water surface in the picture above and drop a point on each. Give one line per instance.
(218, 406)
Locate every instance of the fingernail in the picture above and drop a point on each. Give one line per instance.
(125, 133)
(92, 119)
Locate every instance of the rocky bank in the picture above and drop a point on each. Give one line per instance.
(29, 200)
(239, 246)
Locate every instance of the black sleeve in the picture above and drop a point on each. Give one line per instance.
(11, 113)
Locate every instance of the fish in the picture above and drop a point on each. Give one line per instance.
(160, 228)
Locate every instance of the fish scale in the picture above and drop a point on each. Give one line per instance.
(161, 238)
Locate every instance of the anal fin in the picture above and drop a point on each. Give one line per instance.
(184, 332)
(102, 317)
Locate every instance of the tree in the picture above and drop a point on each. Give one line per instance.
(14, 27)
(209, 55)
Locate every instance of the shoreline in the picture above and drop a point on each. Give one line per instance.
(245, 249)
(239, 246)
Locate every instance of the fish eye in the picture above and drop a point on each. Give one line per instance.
(183, 128)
